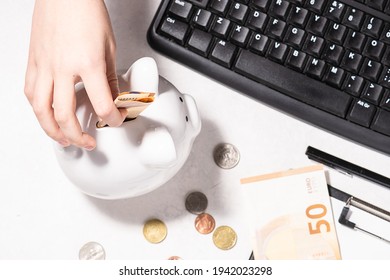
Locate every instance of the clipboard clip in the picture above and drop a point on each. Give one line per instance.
(344, 216)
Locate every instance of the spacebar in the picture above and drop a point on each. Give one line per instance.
(292, 83)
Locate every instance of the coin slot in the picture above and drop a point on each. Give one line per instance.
(98, 125)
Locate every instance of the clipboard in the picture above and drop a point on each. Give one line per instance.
(351, 201)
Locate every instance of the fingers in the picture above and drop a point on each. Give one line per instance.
(64, 114)
(99, 92)
(41, 101)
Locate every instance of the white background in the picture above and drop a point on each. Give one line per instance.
(44, 216)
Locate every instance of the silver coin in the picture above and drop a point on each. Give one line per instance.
(226, 155)
(92, 251)
(196, 203)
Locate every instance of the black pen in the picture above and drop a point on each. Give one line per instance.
(345, 166)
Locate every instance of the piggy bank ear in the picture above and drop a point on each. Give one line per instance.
(143, 75)
(157, 149)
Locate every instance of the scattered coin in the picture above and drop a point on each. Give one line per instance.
(196, 203)
(224, 237)
(92, 251)
(204, 223)
(226, 155)
(174, 258)
(155, 231)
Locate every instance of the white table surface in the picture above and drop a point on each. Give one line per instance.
(44, 216)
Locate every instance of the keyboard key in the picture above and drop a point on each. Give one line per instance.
(296, 60)
(181, 9)
(307, 90)
(174, 29)
(223, 53)
(315, 68)
(385, 37)
(333, 53)
(315, 5)
(353, 18)
(361, 113)
(277, 51)
(371, 69)
(317, 24)
(384, 79)
(385, 104)
(386, 56)
(298, 16)
(335, 10)
(219, 6)
(262, 5)
(238, 12)
(276, 28)
(257, 21)
(355, 41)
(240, 35)
(314, 45)
(381, 122)
(372, 26)
(294, 36)
(352, 61)
(354, 85)
(200, 42)
(334, 76)
(201, 18)
(374, 49)
(259, 43)
(220, 27)
(373, 93)
(279, 9)
(336, 33)
(376, 4)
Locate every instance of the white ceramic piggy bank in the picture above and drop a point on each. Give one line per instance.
(141, 154)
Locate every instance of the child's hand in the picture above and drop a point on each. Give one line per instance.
(71, 41)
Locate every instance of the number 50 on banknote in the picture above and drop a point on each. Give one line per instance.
(290, 215)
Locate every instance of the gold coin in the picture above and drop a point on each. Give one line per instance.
(155, 231)
(224, 237)
(204, 223)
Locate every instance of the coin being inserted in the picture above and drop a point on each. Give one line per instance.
(224, 237)
(155, 231)
(226, 155)
(204, 223)
(196, 203)
(92, 251)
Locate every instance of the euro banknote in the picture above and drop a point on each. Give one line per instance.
(290, 215)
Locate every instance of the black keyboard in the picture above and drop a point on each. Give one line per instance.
(326, 62)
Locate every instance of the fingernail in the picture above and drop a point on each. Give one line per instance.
(64, 143)
(89, 148)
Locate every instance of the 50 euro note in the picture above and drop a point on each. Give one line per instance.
(134, 102)
(290, 215)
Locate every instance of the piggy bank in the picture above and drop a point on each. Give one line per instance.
(141, 154)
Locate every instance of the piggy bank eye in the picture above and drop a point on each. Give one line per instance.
(181, 99)
(186, 118)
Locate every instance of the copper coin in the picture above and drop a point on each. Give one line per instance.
(196, 202)
(174, 258)
(204, 223)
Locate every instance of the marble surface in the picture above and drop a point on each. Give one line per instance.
(44, 216)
